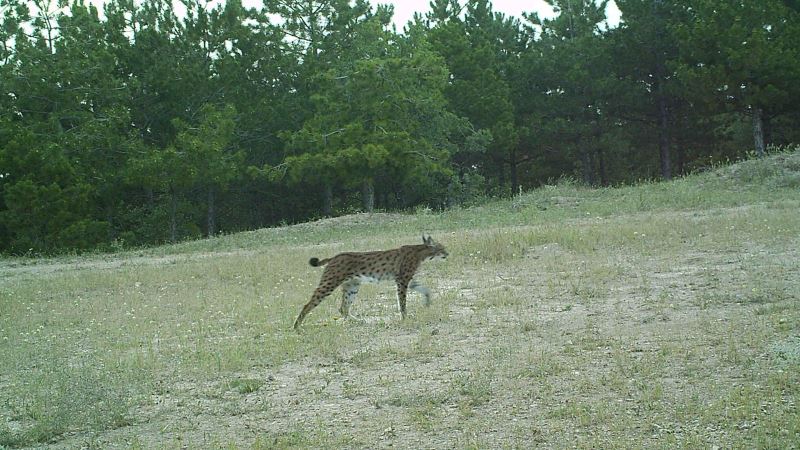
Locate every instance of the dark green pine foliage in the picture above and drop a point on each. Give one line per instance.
(379, 121)
(482, 48)
(147, 122)
(744, 58)
(568, 89)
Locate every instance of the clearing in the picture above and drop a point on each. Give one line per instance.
(659, 315)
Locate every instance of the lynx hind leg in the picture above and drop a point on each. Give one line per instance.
(326, 285)
(349, 292)
(426, 293)
(402, 289)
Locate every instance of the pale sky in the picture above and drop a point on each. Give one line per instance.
(405, 9)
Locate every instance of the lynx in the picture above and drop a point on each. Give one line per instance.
(351, 269)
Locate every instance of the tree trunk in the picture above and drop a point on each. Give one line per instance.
(112, 234)
(400, 197)
(758, 131)
(663, 138)
(151, 199)
(501, 177)
(514, 175)
(680, 156)
(768, 132)
(212, 213)
(385, 199)
(173, 215)
(601, 167)
(327, 200)
(586, 168)
(368, 195)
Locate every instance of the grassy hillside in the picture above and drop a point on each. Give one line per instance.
(651, 316)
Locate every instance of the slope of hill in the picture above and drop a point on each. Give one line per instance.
(662, 314)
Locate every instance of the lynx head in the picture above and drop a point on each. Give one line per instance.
(433, 250)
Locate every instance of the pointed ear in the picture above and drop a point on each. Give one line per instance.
(427, 240)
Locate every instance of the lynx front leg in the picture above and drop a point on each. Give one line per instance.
(416, 286)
